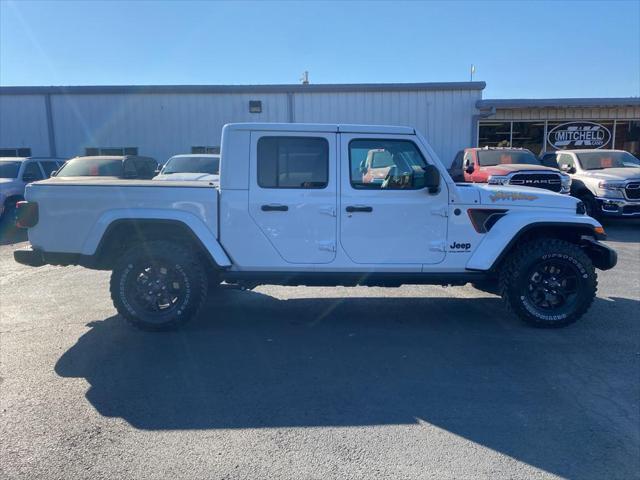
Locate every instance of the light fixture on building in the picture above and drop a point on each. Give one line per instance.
(255, 106)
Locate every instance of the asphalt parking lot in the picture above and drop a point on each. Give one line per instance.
(416, 382)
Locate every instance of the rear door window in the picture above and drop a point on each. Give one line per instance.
(293, 162)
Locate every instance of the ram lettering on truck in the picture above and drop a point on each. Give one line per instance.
(295, 206)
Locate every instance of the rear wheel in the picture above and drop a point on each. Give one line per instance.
(548, 283)
(158, 285)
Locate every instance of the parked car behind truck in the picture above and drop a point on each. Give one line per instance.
(201, 167)
(512, 166)
(17, 172)
(113, 166)
(293, 208)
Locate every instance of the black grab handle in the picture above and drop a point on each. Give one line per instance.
(358, 208)
(274, 208)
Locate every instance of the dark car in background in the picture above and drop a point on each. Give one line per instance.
(116, 166)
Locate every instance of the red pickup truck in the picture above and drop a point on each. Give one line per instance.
(511, 166)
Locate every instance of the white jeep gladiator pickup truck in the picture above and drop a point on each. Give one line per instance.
(292, 208)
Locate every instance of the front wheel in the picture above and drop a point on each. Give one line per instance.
(591, 205)
(548, 283)
(158, 285)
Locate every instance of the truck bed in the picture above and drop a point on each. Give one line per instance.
(75, 212)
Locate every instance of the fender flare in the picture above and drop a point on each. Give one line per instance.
(193, 223)
(499, 241)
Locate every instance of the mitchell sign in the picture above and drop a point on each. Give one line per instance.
(579, 135)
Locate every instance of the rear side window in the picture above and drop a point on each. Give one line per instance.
(293, 162)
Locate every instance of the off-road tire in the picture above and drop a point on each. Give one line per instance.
(514, 281)
(191, 276)
(591, 205)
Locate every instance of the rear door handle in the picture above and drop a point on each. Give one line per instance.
(359, 208)
(274, 208)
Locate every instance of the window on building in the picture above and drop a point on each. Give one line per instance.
(15, 152)
(95, 151)
(628, 136)
(494, 134)
(386, 164)
(293, 162)
(529, 135)
(215, 150)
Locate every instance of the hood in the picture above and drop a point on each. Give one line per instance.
(8, 185)
(181, 177)
(505, 169)
(614, 173)
(507, 195)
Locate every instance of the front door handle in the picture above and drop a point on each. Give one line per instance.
(274, 208)
(358, 208)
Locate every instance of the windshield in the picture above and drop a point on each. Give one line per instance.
(9, 169)
(192, 165)
(607, 159)
(489, 158)
(91, 167)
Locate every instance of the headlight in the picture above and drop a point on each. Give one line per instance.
(497, 180)
(566, 184)
(611, 185)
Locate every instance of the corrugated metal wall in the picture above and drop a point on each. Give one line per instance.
(23, 123)
(444, 117)
(161, 125)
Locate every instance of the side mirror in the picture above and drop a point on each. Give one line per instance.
(157, 171)
(54, 173)
(468, 168)
(567, 168)
(432, 178)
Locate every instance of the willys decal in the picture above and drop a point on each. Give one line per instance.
(512, 196)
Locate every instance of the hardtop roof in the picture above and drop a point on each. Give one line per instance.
(322, 127)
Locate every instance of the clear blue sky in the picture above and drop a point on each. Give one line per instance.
(521, 49)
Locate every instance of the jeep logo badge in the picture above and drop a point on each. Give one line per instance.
(579, 135)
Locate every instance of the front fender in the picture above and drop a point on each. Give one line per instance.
(193, 222)
(509, 228)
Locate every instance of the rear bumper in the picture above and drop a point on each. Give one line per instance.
(603, 257)
(29, 256)
(34, 257)
(619, 208)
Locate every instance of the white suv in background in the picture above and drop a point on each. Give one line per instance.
(17, 172)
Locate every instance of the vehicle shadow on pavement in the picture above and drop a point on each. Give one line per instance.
(627, 230)
(9, 233)
(550, 398)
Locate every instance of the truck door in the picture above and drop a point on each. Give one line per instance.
(293, 193)
(396, 220)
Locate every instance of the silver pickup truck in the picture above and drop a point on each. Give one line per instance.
(607, 181)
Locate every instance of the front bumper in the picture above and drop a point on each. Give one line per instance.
(603, 257)
(618, 207)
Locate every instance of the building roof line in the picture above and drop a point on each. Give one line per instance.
(292, 88)
(514, 103)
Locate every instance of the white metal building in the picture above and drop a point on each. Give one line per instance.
(161, 121)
